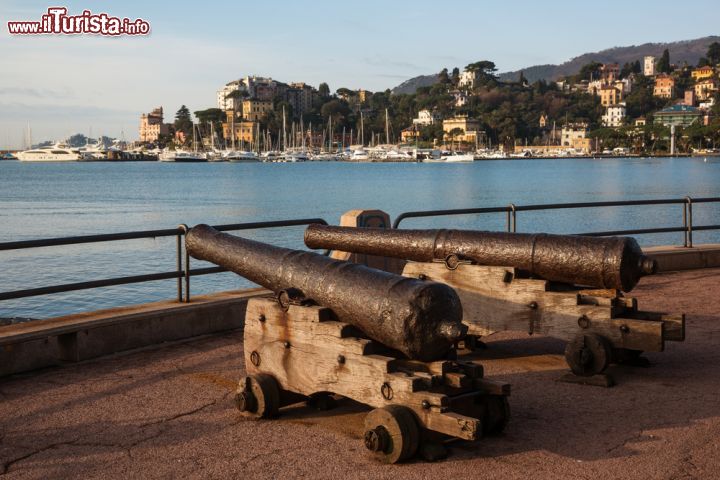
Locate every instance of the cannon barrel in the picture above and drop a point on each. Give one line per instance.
(609, 262)
(418, 318)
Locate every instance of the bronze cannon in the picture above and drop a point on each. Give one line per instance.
(610, 262)
(421, 319)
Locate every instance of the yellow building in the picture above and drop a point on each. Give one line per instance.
(702, 73)
(245, 131)
(705, 89)
(610, 96)
(470, 128)
(409, 134)
(364, 96)
(664, 86)
(254, 110)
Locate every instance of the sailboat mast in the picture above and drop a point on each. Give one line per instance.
(362, 130)
(387, 128)
(302, 134)
(232, 128)
(284, 134)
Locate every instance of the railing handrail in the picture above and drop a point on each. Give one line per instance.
(182, 272)
(547, 206)
(140, 234)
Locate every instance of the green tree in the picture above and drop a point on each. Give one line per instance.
(589, 71)
(210, 115)
(77, 140)
(663, 65)
(485, 67)
(455, 78)
(630, 68)
(237, 95)
(713, 53)
(324, 90)
(183, 121)
(339, 110)
(443, 76)
(345, 92)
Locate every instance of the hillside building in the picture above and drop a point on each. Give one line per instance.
(664, 86)
(702, 73)
(677, 115)
(468, 79)
(152, 126)
(610, 96)
(705, 89)
(426, 117)
(255, 110)
(470, 128)
(610, 72)
(649, 66)
(614, 115)
(574, 135)
(301, 96)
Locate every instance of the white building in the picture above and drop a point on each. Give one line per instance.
(614, 115)
(649, 66)
(256, 87)
(573, 134)
(225, 103)
(426, 117)
(461, 98)
(468, 79)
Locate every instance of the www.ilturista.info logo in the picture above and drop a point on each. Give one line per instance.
(57, 22)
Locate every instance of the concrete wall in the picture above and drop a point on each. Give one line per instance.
(44, 343)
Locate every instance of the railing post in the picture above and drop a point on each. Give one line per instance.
(183, 231)
(685, 230)
(511, 214)
(179, 265)
(689, 226)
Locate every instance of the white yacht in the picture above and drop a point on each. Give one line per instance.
(293, 157)
(271, 156)
(56, 153)
(360, 155)
(181, 156)
(324, 157)
(456, 157)
(398, 156)
(242, 157)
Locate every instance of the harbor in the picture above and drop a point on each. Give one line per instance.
(235, 246)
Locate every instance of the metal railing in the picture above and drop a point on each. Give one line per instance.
(512, 210)
(182, 273)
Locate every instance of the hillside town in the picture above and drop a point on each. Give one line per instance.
(647, 107)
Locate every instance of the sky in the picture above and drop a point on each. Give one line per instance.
(61, 85)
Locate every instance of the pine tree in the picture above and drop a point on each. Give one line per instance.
(663, 65)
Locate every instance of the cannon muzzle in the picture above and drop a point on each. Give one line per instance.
(418, 318)
(609, 262)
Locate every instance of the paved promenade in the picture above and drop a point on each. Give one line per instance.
(167, 412)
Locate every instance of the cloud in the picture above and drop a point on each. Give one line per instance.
(387, 62)
(389, 75)
(35, 92)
